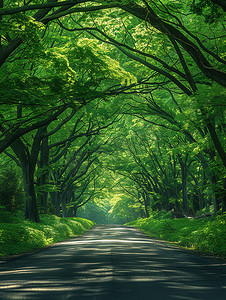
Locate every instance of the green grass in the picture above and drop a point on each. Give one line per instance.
(206, 235)
(22, 236)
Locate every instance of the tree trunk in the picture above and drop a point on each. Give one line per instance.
(177, 208)
(218, 195)
(55, 200)
(43, 178)
(31, 208)
(201, 199)
(57, 203)
(184, 173)
(7, 50)
(200, 196)
(75, 210)
(224, 196)
(217, 143)
(64, 207)
(28, 162)
(146, 204)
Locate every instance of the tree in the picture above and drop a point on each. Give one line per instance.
(48, 87)
(11, 195)
(162, 63)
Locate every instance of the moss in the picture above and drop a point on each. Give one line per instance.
(21, 236)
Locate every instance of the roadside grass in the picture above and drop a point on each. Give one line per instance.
(18, 235)
(205, 235)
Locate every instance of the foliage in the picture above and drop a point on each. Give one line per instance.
(156, 66)
(205, 235)
(124, 208)
(207, 8)
(11, 194)
(97, 211)
(22, 236)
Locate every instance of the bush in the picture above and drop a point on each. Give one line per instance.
(206, 235)
(11, 194)
(18, 235)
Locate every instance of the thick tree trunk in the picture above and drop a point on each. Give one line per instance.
(43, 179)
(28, 162)
(31, 208)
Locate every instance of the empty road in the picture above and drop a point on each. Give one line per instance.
(113, 262)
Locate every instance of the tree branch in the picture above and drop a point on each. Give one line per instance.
(15, 10)
(8, 140)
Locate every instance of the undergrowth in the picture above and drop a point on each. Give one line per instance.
(205, 235)
(22, 236)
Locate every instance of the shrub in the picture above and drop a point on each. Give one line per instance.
(11, 194)
(18, 235)
(206, 235)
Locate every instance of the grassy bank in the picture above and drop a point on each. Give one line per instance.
(21, 236)
(205, 235)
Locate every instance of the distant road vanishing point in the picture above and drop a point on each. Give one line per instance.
(113, 262)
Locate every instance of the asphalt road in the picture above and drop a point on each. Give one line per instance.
(113, 262)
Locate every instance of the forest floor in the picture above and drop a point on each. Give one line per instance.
(204, 235)
(113, 262)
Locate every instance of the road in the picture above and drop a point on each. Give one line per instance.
(113, 262)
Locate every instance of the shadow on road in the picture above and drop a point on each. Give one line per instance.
(113, 262)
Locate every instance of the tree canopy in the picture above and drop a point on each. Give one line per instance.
(116, 106)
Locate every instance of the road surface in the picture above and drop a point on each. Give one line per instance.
(113, 262)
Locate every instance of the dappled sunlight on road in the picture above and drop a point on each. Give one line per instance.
(115, 262)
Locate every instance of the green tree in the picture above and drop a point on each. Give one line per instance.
(11, 195)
